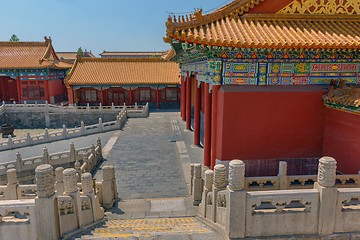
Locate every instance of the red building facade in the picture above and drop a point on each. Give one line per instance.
(31, 71)
(253, 75)
(123, 81)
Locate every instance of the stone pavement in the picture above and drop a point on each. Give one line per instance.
(152, 160)
(146, 159)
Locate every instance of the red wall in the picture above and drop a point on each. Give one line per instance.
(269, 122)
(8, 89)
(56, 88)
(270, 7)
(342, 140)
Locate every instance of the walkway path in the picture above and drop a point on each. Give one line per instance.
(151, 157)
(146, 160)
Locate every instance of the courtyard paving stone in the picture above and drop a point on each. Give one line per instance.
(146, 159)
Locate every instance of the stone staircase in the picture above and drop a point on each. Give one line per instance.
(145, 219)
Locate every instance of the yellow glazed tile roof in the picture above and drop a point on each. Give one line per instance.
(274, 31)
(115, 71)
(29, 55)
(346, 96)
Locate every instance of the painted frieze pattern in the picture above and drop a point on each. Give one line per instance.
(322, 7)
(240, 73)
(209, 71)
(29, 74)
(200, 53)
(311, 73)
(289, 73)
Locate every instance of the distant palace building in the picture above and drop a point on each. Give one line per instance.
(255, 72)
(110, 54)
(123, 80)
(71, 56)
(31, 71)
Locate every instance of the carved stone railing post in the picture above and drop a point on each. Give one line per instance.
(92, 161)
(208, 183)
(98, 144)
(71, 189)
(72, 153)
(47, 218)
(109, 189)
(218, 185)
(77, 167)
(46, 135)
(328, 194)
(59, 180)
(45, 158)
(100, 125)
(198, 184)
(236, 200)
(28, 139)
(18, 162)
(64, 131)
(10, 142)
(82, 128)
(191, 178)
(283, 179)
(12, 184)
(88, 190)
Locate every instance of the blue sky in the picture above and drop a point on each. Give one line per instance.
(96, 25)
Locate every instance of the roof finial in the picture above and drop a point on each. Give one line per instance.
(47, 39)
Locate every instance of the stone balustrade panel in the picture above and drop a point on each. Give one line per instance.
(261, 183)
(285, 212)
(28, 191)
(347, 210)
(72, 132)
(221, 207)
(21, 224)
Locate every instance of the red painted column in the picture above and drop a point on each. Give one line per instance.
(188, 102)
(18, 85)
(70, 93)
(131, 97)
(182, 98)
(157, 98)
(207, 127)
(214, 101)
(102, 96)
(197, 107)
(47, 94)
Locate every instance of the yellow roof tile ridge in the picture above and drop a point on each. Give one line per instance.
(236, 7)
(155, 59)
(303, 17)
(67, 78)
(47, 51)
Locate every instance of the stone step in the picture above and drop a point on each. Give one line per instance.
(154, 228)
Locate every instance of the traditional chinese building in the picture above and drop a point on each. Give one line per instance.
(123, 80)
(31, 71)
(116, 54)
(254, 72)
(71, 56)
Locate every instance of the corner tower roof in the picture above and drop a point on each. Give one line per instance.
(293, 24)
